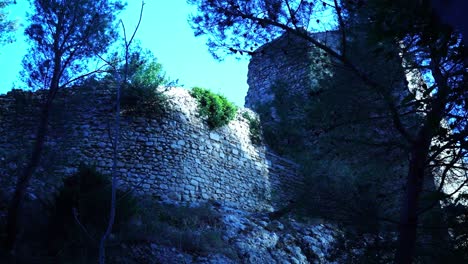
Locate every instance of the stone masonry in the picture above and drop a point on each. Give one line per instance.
(175, 158)
(302, 68)
(289, 59)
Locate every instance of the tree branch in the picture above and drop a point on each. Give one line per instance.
(364, 77)
(342, 28)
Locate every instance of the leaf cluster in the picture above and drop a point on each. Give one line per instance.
(457, 216)
(255, 128)
(64, 35)
(140, 94)
(240, 27)
(7, 26)
(143, 101)
(216, 108)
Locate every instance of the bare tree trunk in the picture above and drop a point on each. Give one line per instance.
(15, 206)
(409, 217)
(16, 203)
(122, 82)
(102, 253)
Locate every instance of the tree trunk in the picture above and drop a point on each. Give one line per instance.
(419, 154)
(409, 217)
(14, 209)
(16, 204)
(116, 141)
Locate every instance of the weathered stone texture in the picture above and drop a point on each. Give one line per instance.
(304, 70)
(289, 59)
(176, 158)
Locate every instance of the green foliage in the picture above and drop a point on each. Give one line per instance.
(86, 197)
(145, 71)
(140, 95)
(216, 108)
(144, 101)
(356, 247)
(64, 36)
(341, 193)
(255, 129)
(188, 217)
(246, 25)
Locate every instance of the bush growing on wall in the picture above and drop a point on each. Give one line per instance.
(140, 95)
(255, 130)
(216, 108)
(143, 101)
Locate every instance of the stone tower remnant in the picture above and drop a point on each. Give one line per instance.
(302, 69)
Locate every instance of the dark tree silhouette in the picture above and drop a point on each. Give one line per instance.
(7, 26)
(64, 35)
(439, 142)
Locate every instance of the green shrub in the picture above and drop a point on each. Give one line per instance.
(144, 101)
(216, 108)
(182, 217)
(201, 242)
(86, 196)
(140, 95)
(255, 130)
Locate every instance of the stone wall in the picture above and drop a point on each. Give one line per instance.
(289, 59)
(306, 73)
(308, 76)
(175, 158)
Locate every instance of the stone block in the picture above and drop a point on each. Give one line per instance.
(214, 136)
(175, 196)
(194, 182)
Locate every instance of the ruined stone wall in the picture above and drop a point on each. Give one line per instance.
(306, 74)
(309, 76)
(289, 59)
(175, 158)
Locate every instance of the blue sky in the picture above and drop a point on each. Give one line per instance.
(166, 32)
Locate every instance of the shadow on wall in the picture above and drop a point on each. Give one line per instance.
(175, 157)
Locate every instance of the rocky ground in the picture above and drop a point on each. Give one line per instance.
(251, 238)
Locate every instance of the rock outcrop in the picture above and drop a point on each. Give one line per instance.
(252, 238)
